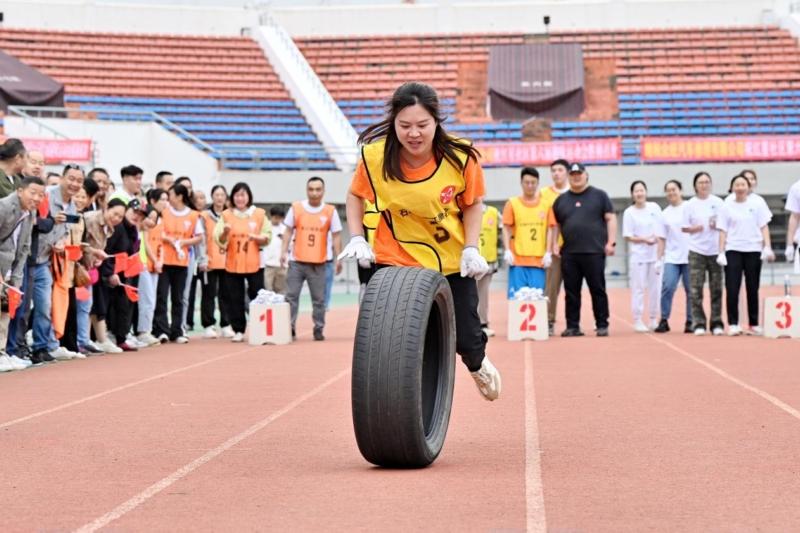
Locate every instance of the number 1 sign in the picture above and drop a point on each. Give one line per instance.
(269, 324)
(782, 317)
(527, 320)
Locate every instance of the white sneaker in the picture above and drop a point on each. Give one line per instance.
(489, 331)
(182, 340)
(5, 364)
(62, 354)
(653, 324)
(238, 337)
(19, 362)
(163, 338)
(134, 342)
(700, 331)
(717, 331)
(147, 339)
(91, 345)
(734, 330)
(108, 347)
(210, 333)
(227, 332)
(639, 327)
(488, 380)
(29, 338)
(755, 330)
(77, 355)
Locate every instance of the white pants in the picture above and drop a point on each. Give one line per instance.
(643, 279)
(148, 284)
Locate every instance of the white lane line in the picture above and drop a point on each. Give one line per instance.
(131, 384)
(128, 506)
(783, 406)
(534, 489)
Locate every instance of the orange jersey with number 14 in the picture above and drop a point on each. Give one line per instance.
(243, 255)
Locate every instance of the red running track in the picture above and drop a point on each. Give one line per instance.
(630, 433)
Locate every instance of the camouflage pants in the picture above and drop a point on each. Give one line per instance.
(698, 266)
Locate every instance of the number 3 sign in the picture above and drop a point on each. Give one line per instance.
(527, 320)
(782, 317)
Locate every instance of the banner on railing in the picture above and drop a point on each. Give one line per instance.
(59, 150)
(544, 153)
(687, 149)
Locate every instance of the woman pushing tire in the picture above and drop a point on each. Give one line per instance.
(428, 188)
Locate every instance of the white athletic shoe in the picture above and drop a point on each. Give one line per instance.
(147, 339)
(488, 380)
(639, 327)
(717, 331)
(93, 347)
(238, 337)
(489, 331)
(755, 330)
(108, 347)
(19, 362)
(62, 354)
(29, 338)
(163, 338)
(734, 330)
(210, 333)
(227, 332)
(182, 339)
(5, 364)
(653, 324)
(700, 332)
(78, 355)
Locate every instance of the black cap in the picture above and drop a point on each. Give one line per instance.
(576, 167)
(136, 205)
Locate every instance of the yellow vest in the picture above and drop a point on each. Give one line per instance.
(370, 221)
(530, 228)
(423, 216)
(488, 238)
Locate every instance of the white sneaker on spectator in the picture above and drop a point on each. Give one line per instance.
(238, 337)
(21, 363)
(639, 327)
(5, 364)
(653, 324)
(182, 339)
(734, 330)
(163, 338)
(487, 378)
(489, 331)
(210, 333)
(62, 354)
(147, 339)
(700, 331)
(133, 342)
(108, 347)
(92, 346)
(755, 330)
(717, 331)
(227, 332)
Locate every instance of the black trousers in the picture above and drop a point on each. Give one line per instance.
(749, 264)
(120, 313)
(171, 283)
(233, 295)
(213, 288)
(134, 281)
(574, 269)
(70, 338)
(190, 302)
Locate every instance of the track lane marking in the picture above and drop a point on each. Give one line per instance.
(535, 518)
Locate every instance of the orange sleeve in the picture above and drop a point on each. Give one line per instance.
(508, 214)
(551, 218)
(475, 187)
(360, 185)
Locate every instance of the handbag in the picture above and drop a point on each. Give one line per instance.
(82, 278)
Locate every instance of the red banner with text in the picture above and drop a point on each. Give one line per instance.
(60, 150)
(688, 149)
(544, 153)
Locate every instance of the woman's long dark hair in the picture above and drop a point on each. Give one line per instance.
(183, 192)
(444, 146)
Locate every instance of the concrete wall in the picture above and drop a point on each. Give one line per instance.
(122, 143)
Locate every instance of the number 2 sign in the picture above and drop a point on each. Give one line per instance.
(527, 320)
(782, 317)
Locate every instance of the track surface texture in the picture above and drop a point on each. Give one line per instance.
(635, 432)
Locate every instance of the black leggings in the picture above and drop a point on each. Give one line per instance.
(749, 264)
(233, 296)
(171, 283)
(213, 288)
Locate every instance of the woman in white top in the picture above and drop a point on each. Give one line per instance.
(700, 222)
(676, 256)
(744, 241)
(641, 225)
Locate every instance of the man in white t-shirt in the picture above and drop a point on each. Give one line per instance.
(274, 272)
(308, 224)
(700, 222)
(793, 231)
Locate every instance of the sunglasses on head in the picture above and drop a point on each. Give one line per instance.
(72, 166)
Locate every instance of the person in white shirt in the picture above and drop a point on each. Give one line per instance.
(274, 272)
(641, 226)
(793, 231)
(744, 243)
(700, 222)
(675, 257)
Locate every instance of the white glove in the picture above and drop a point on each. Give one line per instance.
(722, 260)
(508, 257)
(659, 267)
(767, 254)
(358, 248)
(789, 253)
(547, 260)
(473, 265)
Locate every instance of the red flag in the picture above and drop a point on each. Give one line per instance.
(131, 292)
(120, 262)
(44, 206)
(82, 294)
(134, 266)
(14, 299)
(73, 251)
